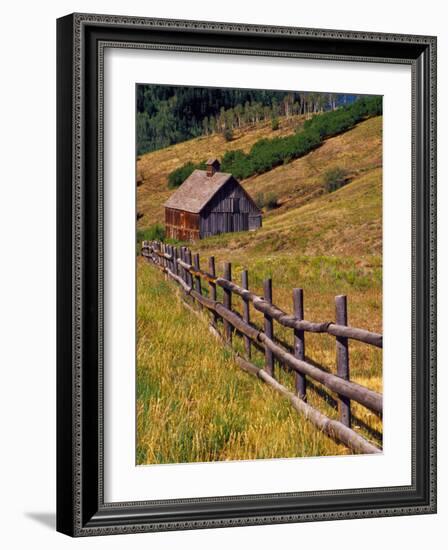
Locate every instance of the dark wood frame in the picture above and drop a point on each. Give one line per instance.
(81, 39)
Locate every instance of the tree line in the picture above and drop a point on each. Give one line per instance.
(266, 154)
(169, 114)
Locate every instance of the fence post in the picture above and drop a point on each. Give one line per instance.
(197, 279)
(189, 275)
(157, 249)
(212, 271)
(174, 253)
(173, 258)
(246, 311)
(182, 257)
(185, 259)
(268, 328)
(299, 342)
(166, 263)
(169, 265)
(342, 359)
(228, 301)
(197, 267)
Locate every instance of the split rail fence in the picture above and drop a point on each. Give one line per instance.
(184, 268)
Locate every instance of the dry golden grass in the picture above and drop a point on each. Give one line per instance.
(347, 222)
(357, 151)
(322, 278)
(194, 404)
(154, 167)
(325, 243)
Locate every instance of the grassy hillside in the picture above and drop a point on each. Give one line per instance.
(325, 243)
(311, 221)
(154, 167)
(358, 152)
(194, 404)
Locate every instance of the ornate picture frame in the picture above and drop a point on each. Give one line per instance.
(81, 507)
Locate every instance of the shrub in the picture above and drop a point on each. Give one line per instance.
(266, 154)
(228, 134)
(271, 201)
(268, 200)
(335, 122)
(178, 176)
(237, 163)
(330, 124)
(155, 232)
(259, 200)
(334, 179)
(275, 124)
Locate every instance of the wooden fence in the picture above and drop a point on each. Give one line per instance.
(184, 268)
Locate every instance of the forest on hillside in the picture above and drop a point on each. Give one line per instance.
(170, 114)
(266, 154)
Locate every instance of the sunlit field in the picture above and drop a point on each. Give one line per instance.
(193, 401)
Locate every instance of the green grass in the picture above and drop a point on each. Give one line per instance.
(155, 232)
(194, 404)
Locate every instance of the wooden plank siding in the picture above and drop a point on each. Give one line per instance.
(181, 225)
(208, 205)
(230, 209)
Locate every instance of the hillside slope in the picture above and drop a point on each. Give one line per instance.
(309, 220)
(347, 222)
(325, 243)
(297, 184)
(154, 167)
(357, 152)
(217, 412)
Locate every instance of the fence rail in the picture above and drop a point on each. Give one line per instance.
(184, 268)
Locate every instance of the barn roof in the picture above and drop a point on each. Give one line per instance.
(197, 190)
(212, 161)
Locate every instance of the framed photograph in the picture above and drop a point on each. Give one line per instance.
(246, 274)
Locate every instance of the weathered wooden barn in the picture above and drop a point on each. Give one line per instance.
(207, 203)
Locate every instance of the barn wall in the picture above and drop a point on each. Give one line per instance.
(230, 210)
(254, 221)
(181, 225)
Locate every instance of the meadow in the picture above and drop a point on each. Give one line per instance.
(193, 402)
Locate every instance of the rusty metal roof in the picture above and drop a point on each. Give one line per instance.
(197, 190)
